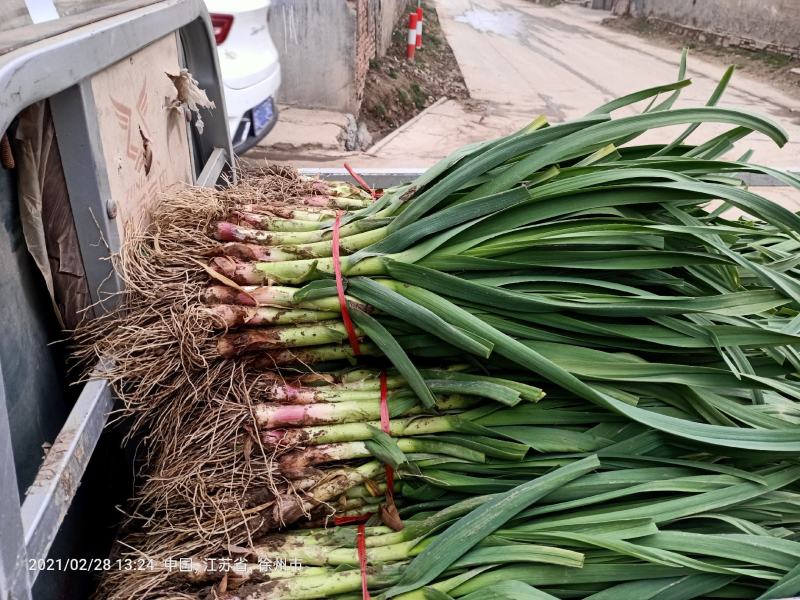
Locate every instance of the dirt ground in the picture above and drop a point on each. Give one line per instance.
(397, 90)
(774, 69)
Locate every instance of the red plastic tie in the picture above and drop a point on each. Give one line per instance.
(362, 560)
(387, 428)
(337, 269)
(352, 519)
(361, 182)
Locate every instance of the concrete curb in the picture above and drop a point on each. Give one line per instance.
(379, 145)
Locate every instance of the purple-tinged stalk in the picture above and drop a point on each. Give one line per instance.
(291, 271)
(272, 416)
(289, 246)
(242, 342)
(254, 228)
(242, 251)
(225, 231)
(233, 315)
(273, 296)
(259, 220)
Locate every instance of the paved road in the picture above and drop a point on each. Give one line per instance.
(527, 59)
(519, 60)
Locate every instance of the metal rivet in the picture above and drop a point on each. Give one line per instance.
(111, 209)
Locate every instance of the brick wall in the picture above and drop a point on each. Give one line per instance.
(375, 21)
(365, 45)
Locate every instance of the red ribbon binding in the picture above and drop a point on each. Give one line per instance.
(361, 539)
(362, 560)
(361, 546)
(386, 427)
(360, 181)
(352, 519)
(337, 270)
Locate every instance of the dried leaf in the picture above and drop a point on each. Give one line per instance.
(390, 516)
(373, 488)
(222, 279)
(147, 151)
(190, 96)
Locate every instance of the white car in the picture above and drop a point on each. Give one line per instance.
(251, 71)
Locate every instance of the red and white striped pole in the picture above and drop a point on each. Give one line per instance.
(419, 27)
(412, 36)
